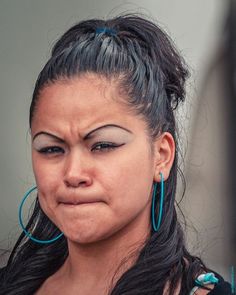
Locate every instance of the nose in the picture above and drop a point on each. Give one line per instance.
(77, 170)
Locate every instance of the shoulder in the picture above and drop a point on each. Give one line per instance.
(201, 291)
(212, 284)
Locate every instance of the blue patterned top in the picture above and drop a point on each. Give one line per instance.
(221, 287)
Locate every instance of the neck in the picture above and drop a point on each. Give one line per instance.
(103, 262)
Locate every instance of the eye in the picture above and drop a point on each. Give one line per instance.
(101, 146)
(51, 150)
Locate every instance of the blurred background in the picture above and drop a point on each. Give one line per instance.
(203, 31)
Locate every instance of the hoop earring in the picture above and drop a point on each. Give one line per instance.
(156, 227)
(24, 229)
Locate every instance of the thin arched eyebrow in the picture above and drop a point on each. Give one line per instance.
(86, 137)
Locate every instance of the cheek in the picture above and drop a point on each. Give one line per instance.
(130, 179)
(47, 179)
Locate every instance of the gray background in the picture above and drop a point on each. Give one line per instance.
(27, 32)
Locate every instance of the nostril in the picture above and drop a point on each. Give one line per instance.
(72, 183)
(77, 183)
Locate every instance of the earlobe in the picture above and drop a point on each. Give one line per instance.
(164, 155)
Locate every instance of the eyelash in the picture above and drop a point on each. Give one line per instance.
(106, 146)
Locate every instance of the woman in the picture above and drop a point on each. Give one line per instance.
(104, 154)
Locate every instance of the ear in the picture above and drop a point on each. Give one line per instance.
(164, 155)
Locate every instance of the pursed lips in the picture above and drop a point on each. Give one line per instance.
(79, 201)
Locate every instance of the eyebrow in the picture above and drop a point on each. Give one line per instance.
(87, 136)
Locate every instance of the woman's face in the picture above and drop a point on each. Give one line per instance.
(92, 160)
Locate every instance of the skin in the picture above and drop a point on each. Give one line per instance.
(118, 182)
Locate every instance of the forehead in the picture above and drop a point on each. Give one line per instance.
(82, 101)
(85, 90)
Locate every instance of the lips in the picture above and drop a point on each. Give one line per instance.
(78, 201)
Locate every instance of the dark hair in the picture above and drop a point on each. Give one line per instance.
(152, 74)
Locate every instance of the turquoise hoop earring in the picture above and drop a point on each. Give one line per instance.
(156, 227)
(22, 226)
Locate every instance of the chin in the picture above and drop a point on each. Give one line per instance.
(84, 240)
(88, 236)
(83, 236)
